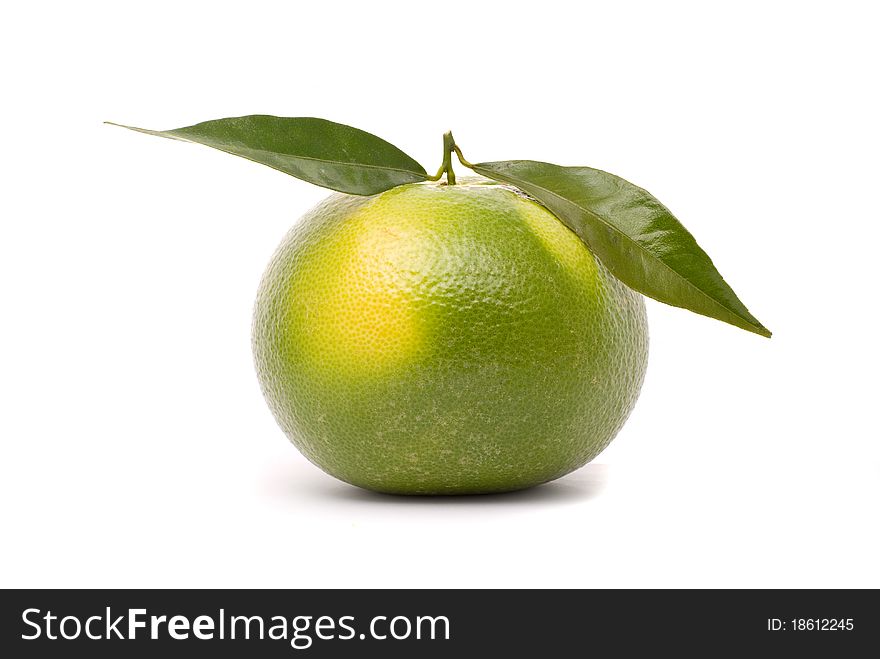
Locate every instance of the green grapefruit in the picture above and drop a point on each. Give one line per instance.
(445, 339)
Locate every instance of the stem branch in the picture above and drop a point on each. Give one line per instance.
(449, 147)
(461, 157)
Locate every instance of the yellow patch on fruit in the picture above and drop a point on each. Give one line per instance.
(363, 317)
(367, 329)
(561, 242)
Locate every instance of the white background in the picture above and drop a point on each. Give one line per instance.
(135, 447)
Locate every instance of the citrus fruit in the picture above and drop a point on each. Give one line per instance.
(445, 339)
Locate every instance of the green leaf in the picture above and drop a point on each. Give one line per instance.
(322, 152)
(632, 233)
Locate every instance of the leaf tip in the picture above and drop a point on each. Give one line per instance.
(755, 327)
(113, 123)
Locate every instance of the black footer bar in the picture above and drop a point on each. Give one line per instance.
(435, 623)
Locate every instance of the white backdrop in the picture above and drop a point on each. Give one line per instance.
(135, 447)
